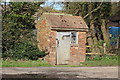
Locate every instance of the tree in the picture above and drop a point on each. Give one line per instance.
(18, 24)
(96, 15)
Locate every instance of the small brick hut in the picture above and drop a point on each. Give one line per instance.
(62, 37)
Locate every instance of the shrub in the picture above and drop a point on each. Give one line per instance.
(24, 50)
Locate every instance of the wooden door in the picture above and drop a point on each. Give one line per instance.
(63, 47)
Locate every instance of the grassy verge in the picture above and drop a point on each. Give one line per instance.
(26, 63)
(97, 61)
(101, 61)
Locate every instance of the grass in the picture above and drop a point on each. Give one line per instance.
(26, 63)
(97, 61)
(101, 61)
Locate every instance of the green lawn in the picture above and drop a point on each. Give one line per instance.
(101, 63)
(26, 63)
(104, 61)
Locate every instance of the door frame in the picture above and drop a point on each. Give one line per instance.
(57, 41)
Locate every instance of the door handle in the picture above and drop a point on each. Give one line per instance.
(57, 42)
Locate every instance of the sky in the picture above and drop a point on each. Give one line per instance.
(48, 3)
(7, 0)
(56, 6)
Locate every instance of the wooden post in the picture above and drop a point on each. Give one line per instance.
(118, 42)
(104, 48)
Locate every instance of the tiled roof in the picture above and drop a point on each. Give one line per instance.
(65, 21)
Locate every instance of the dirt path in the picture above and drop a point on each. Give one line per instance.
(61, 72)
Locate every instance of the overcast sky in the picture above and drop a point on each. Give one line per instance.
(56, 6)
(48, 3)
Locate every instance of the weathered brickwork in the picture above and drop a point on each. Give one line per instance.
(82, 46)
(73, 54)
(47, 41)
(51, 57)
(46, 38)
(43, 32)
(77, 51)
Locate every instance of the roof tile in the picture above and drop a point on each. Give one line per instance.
(65, 21)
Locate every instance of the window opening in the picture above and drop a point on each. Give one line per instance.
(73, 37)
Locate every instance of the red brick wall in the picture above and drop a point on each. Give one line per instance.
(43, 32)
(47, 42)
(77, 51)
(51, 57)
(82, 46)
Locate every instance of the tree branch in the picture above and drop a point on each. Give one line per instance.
(93, 10)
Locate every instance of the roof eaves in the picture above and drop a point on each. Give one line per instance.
(71, 29)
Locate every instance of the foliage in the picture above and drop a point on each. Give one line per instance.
(97, 19)
(47, 9)
(18, 24)
(101, 57)
(115, 7)
(24, 50)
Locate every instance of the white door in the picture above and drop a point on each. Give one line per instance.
(63, 47)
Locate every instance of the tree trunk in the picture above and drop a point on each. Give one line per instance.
(92, 40)
(105, 32)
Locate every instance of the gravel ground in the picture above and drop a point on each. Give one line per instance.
(60, 72)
